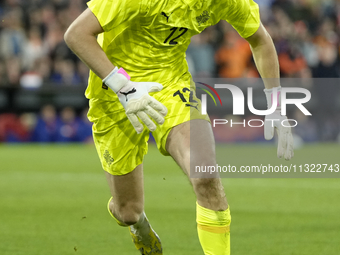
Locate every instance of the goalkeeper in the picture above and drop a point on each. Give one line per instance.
(139, 82)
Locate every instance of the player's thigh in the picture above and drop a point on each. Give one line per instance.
(182, 104)
(127, 190)
(192, 144)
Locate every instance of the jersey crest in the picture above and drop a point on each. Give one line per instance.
(204, 17)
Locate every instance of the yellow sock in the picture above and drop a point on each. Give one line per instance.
(213, 229)
(108, 208)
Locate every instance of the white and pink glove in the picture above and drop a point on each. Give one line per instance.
(135, 98)
(274, 121)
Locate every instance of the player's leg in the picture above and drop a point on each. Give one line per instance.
(127, 207)
(213, 215)
(127, 202)
(121, 151)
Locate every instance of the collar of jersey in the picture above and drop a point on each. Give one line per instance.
(195, 4)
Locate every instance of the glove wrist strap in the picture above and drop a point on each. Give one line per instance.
(270, 93)
(117, 79)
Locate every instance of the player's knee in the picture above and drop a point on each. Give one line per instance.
(129, 214)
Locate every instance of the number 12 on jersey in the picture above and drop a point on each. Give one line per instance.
(173, 30)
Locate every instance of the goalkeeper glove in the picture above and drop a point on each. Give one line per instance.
(274, 121)
(135, 98)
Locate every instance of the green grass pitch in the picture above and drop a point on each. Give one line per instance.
(53, 201)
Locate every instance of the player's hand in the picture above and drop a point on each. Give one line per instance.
(135, 98)
(274, 121)
(286, 144)
(137, 102)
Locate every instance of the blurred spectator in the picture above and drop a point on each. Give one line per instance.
(3, 74)
(12, 37)
(65, 128)
(13, 71)
(46, 129)
(85, 128)
(201, 53)
(28, 121)
(328, 65)
(12, 129)
(233, 57)
(306, 34)
(34, 49)
(64, 73)
(68, 130)
(32, 44)
(292, 63)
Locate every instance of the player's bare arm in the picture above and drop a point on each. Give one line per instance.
(267, 63)
(81, 39)
(265, 57)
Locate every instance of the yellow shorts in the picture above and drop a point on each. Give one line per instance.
(119, 147)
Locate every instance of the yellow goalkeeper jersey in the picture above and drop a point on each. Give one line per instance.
(149, 38)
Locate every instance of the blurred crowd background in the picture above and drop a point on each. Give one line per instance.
(36, 65)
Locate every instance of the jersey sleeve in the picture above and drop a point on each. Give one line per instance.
(244, 16)
(112, 13)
